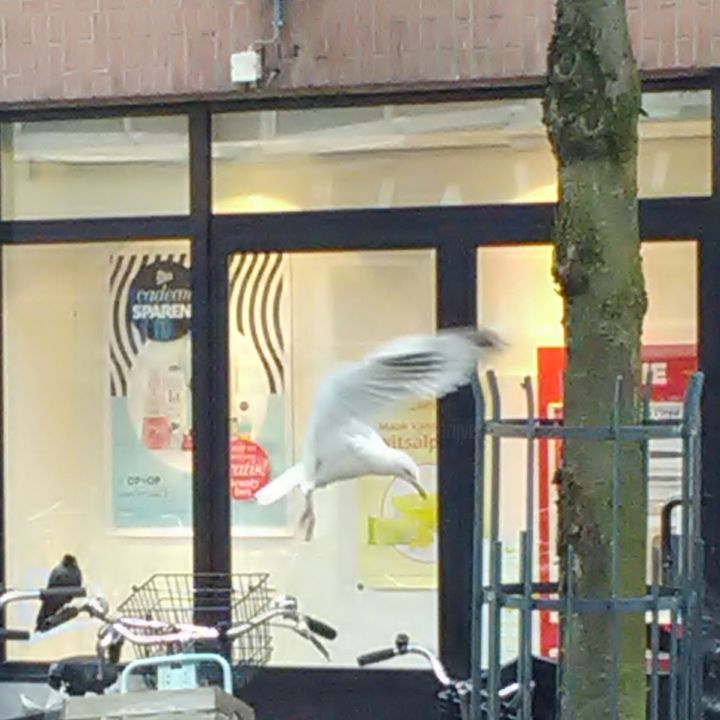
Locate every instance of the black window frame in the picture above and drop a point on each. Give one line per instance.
(454, 233)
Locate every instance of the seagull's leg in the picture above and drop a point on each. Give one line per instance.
(307, 519)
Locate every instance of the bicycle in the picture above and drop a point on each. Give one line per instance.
(454, 698)
(179, 641)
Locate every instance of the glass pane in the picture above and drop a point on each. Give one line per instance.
(444, 154)
(370, 569)
(97, 417)
(529, 316)
(111, 167)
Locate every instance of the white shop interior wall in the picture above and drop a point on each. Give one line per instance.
(57, 484)
(56, 384)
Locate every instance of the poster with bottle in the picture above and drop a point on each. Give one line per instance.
(151, 403)
(398, 528)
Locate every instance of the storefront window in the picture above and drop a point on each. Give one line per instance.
(111, 167)
(370, 568)
(516, 296)
(97, 409)
(442, 154)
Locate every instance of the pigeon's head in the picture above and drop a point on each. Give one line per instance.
(69, 561)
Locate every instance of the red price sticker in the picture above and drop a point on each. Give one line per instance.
(249, 469)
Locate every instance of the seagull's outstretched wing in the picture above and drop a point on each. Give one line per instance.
(413, 366)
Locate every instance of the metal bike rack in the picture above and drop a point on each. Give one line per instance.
(678, 593)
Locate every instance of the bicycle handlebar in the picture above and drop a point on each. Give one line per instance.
(403, 646)
(320, 628)
(140, 631)
(11, 596)
(377, 656)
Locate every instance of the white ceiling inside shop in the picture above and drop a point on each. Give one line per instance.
(253, 136)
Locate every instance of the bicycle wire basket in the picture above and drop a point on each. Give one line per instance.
(184, 598)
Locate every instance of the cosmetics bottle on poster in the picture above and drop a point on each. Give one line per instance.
(176, 404)
(156, 426)
(244, 423)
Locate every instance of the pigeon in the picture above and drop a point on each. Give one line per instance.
(66, 574)
(342, 444)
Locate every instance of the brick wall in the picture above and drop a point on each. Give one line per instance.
(52, 49)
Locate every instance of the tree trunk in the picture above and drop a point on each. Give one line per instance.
(591, 105)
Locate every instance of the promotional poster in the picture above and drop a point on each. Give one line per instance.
(151, 391)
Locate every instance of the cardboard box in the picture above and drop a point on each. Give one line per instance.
(206, 703)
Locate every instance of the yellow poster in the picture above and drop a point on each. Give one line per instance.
(398, 527)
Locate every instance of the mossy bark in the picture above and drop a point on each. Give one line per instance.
(591, 110)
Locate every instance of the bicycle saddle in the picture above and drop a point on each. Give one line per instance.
(82, 674)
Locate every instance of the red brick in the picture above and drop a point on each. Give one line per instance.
(178, 62)
(398, 37)
(635, 22)
(334, 45)
(382, 69)
(118, 24)
(445, 25)
(55, 28)
(443, 67)
(651, 23)
(685, 52)
(529, 45)
(479, 63)
(55, 67)
(34, 6)
(116, 65)
(464, 64)
(686, 18)
(132, 82)
(650, 52)
(463, 35)
(147, 78)
(323, 71)
(513, 65)
(21, 28)
(668, 36)
(86, 27)
(380, 20)
(102, 85)
(100, 46)
(512, 24)
(703, 31)
(238, 20)
(39, 25)
(72, 85)
(463, 10)
(11, 8)
(428, 34)
(364, 27)
(14, 88)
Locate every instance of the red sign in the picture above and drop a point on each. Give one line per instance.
(249, 468)
(671, 366)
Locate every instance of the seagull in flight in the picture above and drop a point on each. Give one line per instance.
(341, 442)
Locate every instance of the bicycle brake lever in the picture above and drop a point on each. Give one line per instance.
(305, 633)
(318, 645)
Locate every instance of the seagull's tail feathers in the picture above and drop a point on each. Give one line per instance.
(281, 486)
